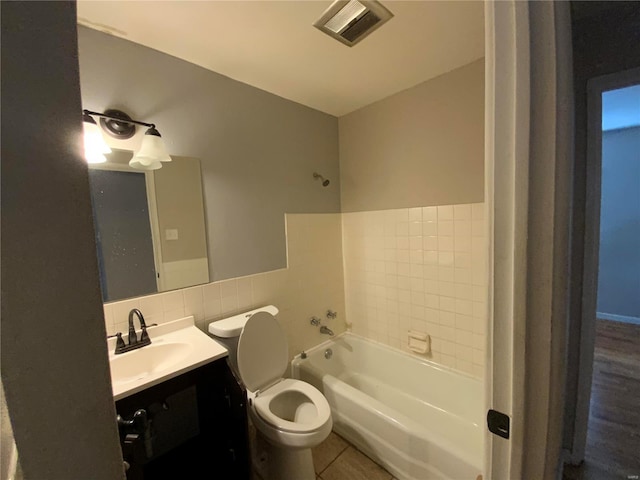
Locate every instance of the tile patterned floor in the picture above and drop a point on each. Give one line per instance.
(337, 459)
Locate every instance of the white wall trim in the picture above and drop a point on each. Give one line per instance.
(618, 318)
(548, 279)
(506, 173)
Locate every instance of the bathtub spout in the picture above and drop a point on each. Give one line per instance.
(326, 331)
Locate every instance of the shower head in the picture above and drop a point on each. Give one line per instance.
(325, 182)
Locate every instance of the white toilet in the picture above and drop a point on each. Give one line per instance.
(290, 416)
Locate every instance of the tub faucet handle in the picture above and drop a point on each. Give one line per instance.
(315, 321)
(331, 314)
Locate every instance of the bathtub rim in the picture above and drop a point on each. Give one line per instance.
(297, 359)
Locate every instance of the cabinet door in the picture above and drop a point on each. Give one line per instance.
(197, 428)
(237, 426)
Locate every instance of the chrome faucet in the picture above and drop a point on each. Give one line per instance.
(326, 330)
(134, 342)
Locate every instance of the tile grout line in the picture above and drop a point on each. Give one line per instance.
(391, 477)
(336, 457)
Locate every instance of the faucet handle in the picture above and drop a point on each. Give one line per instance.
(331, 314)
(119, 342)
(315, 321)
(144, 336)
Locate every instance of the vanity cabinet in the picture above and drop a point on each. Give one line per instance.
(193, 426)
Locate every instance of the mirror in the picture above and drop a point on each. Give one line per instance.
(257, 152)
(150, 226)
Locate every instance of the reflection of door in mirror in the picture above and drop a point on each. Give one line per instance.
(150, 226)
(123, 234)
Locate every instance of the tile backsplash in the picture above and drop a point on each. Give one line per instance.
(421, 269)
(312, 284)
(384, 272)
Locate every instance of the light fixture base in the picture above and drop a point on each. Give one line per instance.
(118, 129)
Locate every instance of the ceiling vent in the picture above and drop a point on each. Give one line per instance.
(351, 21)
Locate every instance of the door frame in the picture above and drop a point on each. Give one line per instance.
(507, 110)
(595, 87)
(528, 139)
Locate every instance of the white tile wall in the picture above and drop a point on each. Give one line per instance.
(312, 284)
(423, 269)
(419, 268)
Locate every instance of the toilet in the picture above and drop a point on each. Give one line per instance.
(290, 416)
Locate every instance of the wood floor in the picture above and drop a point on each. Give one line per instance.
(613, 439)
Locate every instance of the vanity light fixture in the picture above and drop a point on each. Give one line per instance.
(95, 147)
(152, 152)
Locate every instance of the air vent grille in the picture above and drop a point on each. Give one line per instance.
(346, 15)
(351, 21)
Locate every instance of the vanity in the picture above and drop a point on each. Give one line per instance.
(181, 411)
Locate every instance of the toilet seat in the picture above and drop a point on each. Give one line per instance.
(263, 353)
(305, 403)
(287, 405)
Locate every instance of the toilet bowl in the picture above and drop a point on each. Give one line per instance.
(290, 416)
(292, 413)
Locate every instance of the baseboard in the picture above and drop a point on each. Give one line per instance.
(618, 318)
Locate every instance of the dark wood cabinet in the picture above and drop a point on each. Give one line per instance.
(192, 426)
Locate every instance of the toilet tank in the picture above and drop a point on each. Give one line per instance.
(227, 330)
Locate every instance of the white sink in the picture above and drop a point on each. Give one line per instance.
(138, 364)
(176, 347)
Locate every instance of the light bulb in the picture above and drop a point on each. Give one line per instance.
(95, 147)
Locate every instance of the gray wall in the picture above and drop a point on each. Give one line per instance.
(55, 369)
(619, 269)
(422, 146)
(258, 150)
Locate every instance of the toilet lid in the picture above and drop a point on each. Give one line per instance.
(263, 354)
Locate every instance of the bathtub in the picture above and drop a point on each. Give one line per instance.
(417, 419)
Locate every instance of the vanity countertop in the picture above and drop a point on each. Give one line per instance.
(176, 348)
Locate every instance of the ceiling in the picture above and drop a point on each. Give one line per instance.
(272, 45)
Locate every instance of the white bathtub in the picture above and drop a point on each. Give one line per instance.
(417, 419)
